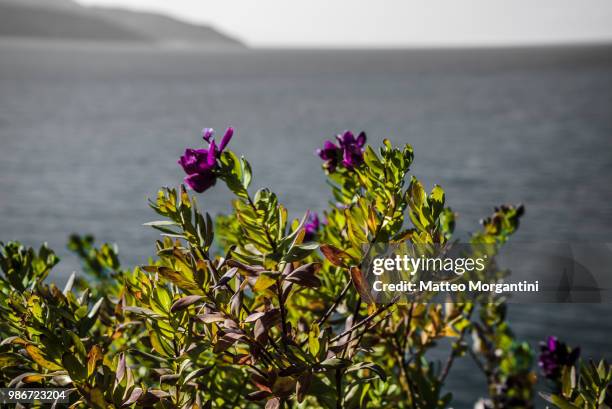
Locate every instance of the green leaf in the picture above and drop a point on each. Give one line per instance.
(436, 201)
(335, 363)
(197, 373)
(78, 345)
(159, 345)
(247, 173)
(568, 381)
(161, 223)
(558, 401)
(370, 366)
(76, 369)
(181, 280)
(265, 280)
(8, 359)
(94, 310)
(313, 340)
(145, 312)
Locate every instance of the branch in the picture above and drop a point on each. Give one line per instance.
(337, 301)
(281, 305)
(453, 355)
(451, 358)
(338, 389)
(365, 320)
(478, 362)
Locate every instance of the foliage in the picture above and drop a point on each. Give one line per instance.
(575, 384)
(242, 311)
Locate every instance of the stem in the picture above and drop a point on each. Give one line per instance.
(372, 325)
(336, 302)
(478, 362)
(264, 354)
(338, 389)
(365, 320)
(404, 380)
(407, 346)
(484, 367)
(453, 355)
(355, 318)
(281, 305)
(451, 359)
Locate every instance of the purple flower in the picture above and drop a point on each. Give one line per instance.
(200, 164)
(348, 139)
(311, 226)
(348, 152)
(353, 156)
(331, 154)
(554, 355)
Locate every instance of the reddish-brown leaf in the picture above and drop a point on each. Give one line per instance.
(185, 302)
(261, 382)
(254, 316)
(273, 403)
(243, 359)
(225, 278)
(209, 318)
(249, 270)
(335, 256)
(227, 341)
(260, 331)
(121, 366)
(360, 285)
(134, 396)
(305, 275)
(257, 395)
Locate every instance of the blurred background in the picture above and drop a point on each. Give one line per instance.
(504, 102)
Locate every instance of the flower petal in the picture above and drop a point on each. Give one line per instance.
(211, 158)
(201, 181)
(207, 133)
(226, 138)
(189, 160)
(347, 138)
(361, 139)
(552, 343)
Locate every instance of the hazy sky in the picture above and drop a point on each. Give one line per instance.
(389, 23)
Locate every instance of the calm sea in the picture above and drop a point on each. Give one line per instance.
(87, 134)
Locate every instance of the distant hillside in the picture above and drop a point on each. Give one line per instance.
(52, 4)
(47, 23)
(164, 29)
(64, 19)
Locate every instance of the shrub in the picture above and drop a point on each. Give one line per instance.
(253, 309)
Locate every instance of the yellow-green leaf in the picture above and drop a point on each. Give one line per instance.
(38, 357)
(94, 355)
(313, 340)
(264, 281)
